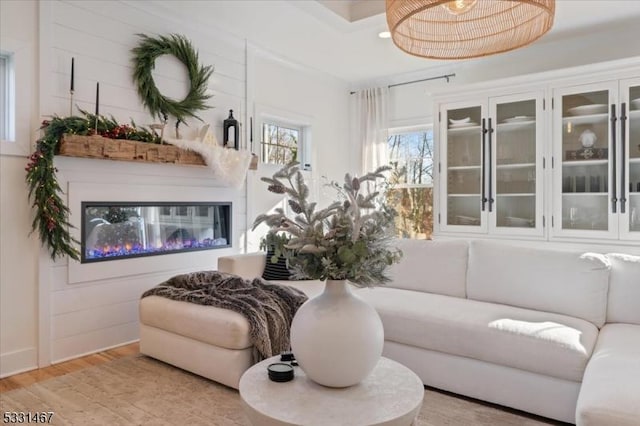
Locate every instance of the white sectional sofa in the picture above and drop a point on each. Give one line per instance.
(549, 332)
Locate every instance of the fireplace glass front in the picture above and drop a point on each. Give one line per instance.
(120, 230)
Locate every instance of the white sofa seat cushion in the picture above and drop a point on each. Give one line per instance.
(568, 283)
(539, 342)
(610, 392)
(208, 324)
(445, 261)
(624, 289)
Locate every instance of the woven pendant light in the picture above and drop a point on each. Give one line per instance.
(462, 29)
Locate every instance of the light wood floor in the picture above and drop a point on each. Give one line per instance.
(25, 379)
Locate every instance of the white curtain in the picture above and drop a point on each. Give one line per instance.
(372, 126)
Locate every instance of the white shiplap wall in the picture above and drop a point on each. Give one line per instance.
(100, 312)
(101, 34)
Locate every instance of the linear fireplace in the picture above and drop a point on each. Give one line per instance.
(120, 230)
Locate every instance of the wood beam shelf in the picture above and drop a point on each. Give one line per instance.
(126, 150)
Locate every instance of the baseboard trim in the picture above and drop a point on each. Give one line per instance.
(18, 362)
(106, 348)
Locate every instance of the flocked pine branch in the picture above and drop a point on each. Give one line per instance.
(349, 239)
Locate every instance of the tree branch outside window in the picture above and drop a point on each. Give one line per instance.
(411, 181)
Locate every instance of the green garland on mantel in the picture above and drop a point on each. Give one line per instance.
(144, 57)
(51, 214)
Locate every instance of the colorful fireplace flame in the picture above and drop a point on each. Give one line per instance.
(138, 249)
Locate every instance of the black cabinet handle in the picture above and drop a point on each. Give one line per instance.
(491, 200)
(614, 189)
(623, 153)
(484, 163)
(251, 135)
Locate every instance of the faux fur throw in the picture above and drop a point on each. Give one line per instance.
(269, 308)
(228, 165)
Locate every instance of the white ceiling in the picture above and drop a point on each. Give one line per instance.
(315, 35)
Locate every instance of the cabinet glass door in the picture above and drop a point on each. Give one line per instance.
(586, 150)
(630, 138)
(463, 166)
(516, 165)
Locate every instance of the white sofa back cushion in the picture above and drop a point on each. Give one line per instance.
(566, 283)
(438, 267)
(624, 289)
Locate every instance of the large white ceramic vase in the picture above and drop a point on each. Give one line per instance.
(337, 337)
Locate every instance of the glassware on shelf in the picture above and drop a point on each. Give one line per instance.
(585, 212)
(634, 219)
(573, 217)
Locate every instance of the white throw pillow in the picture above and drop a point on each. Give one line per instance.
(569, 283)
(438, 267)
(624, 289)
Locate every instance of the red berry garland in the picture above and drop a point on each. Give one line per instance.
(51, 214)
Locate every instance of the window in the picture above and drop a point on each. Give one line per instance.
(280, 143)
(411, 192)
(7, 105)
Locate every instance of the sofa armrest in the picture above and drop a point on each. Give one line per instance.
(248, 266)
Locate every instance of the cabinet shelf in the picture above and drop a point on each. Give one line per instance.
(462, 195)
(584, 194)
(576, 163)
(634, 160)
(515, 126)
(586, 119)
(464, 130)
(463, 167)
(515, 166)
(517, 194)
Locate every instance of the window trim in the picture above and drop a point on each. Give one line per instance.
(285, 118)
(26, 118)
(8, 97)
(281, 125)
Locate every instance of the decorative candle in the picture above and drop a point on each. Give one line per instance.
(97, 98)
(72, 64)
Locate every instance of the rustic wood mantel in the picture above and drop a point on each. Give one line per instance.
(125, 150)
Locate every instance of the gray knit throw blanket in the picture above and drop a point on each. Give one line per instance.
(269, 308)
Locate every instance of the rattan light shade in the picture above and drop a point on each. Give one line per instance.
(433, 29)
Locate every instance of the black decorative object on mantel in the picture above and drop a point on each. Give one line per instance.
(231, 131)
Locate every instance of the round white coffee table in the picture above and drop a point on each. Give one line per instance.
(391, 395)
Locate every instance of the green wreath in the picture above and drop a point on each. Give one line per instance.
(145, 55)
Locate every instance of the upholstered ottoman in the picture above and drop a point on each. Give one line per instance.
(208, 341)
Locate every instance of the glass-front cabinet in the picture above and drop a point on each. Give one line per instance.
(491, 165)
(596, 160)
(464, 150)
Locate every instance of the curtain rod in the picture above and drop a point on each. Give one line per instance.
(445, 76)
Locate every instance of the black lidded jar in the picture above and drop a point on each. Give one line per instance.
(280, 372)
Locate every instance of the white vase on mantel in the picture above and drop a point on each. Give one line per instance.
(337, 337)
